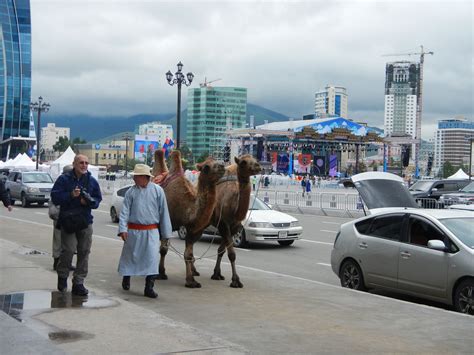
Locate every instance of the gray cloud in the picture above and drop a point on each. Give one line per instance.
(109, 57)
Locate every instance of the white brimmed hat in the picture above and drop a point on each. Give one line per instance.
(141, 169)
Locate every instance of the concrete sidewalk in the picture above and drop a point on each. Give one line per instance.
(110, 325)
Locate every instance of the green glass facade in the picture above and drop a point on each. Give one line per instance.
(15, 69)
(211, 111)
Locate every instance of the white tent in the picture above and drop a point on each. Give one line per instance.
(65, 159)
(460, 174)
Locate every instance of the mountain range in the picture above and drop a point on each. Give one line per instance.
(97, 129)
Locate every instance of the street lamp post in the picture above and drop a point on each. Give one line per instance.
(39, 107)
(179, 79)
(127, 138)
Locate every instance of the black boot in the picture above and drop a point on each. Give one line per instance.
(62, 283)
(55, 264)
(149, 283)
(126, 283)
(79, 290)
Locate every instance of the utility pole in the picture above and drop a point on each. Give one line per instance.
(126, 138)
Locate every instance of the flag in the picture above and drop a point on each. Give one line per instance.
(168, 146)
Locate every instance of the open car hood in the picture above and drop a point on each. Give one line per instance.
(381, 190)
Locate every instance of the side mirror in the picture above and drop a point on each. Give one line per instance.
(434, 189)
(437, 245)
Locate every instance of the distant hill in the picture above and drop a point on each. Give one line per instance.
(104, 128)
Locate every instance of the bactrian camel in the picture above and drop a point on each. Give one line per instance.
(189, 206)
(233, 197)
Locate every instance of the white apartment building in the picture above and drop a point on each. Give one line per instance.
(451, 143)
(162, 131)
(50, 135)
(330, 102)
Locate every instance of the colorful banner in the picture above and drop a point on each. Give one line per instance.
(304, 163)
(145, 147)
(319, 165)
(333, 165)
(282, 163)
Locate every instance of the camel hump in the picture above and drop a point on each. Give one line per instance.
(159, 166)
(176, 164)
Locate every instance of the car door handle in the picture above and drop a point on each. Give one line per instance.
(405, 254)
(363, 245)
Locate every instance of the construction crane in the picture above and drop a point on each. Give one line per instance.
(206, 83)
(419, 106)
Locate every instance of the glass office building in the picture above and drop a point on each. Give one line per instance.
(211, 112)
(15, 75)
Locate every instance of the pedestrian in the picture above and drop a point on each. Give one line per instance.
(144, 221)
(76, 192)
(254, 182)
(267, 181)
(308, 186)
(303, 184)
(4, 196)
(54, 215)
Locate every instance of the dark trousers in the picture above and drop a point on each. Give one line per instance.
(81, 241)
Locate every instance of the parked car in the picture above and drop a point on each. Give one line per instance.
(428, 192)
(29, 187)
(463, 196)
(262, 223)
(399, 247)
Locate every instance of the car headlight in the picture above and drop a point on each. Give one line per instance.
(260, 225)
(294, 224)
(32, 189)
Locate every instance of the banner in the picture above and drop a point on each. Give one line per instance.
(319, 165)
(282, 163)
(145, 147)
(304, 161)
(333, 165)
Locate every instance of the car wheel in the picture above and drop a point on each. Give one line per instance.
(351, 276)
(24, 201)
(182, 232)
(285, 242)
(464, 297)
(113, 215)
(40, 203)
(239, 239)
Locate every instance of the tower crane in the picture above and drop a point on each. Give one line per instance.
(206, 83)
(419, 106)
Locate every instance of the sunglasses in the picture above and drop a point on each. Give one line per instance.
(84, 163)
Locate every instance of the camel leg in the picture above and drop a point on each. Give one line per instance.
(217, 269)
(189, 261)
(224, 231)
(163, 251)
(231, 255)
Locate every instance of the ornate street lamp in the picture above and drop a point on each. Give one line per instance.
(39, 107)
(179, 79)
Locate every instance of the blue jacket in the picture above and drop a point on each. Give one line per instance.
(66, 183)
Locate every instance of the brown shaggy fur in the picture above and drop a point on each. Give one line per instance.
(233, 197)
(189, 206)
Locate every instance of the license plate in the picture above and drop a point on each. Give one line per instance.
(282, 234)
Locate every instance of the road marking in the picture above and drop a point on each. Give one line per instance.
(325, 230)
(41, 213)
(25, 221)
(336, 223)
(324, 264)
(315, 241)
(112, 225)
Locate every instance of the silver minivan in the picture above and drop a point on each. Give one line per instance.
(29, 187)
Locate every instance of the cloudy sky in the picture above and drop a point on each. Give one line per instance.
(109, 57)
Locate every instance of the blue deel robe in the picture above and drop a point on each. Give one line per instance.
(140, 253)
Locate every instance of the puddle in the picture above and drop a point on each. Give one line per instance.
(28, 251)
(21, 305)
(67, 336)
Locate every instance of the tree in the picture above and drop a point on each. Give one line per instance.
(448, 169)
(187, 157)
(130, 164)
(203, 157)
(62, 144)
(75, 142)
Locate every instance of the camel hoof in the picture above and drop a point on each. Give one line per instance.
(195, 273)
(217, 277)
(236, 284)
(161, 277)
(193, 284)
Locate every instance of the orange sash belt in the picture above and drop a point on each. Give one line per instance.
(142, 227)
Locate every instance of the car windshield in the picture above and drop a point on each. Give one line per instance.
(37, 178)
(421, 186)
(257, 204)
(462, 228)
(469, 188)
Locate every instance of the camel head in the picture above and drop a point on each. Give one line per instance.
(176, 165)
(247, 166)
(210, 170)
(159, 166)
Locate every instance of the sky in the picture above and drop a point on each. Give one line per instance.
(109, 57)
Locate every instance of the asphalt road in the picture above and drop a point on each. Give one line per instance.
(291, 301)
